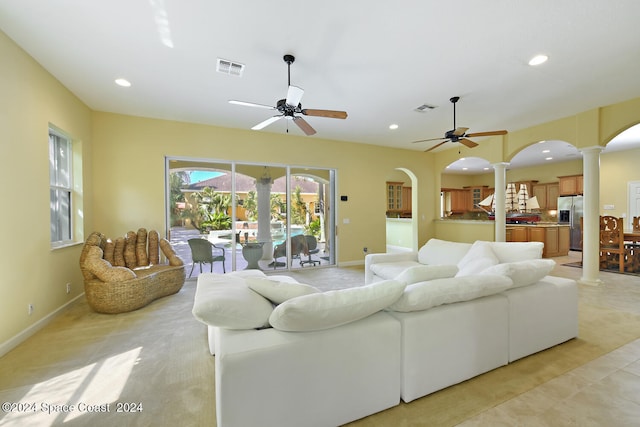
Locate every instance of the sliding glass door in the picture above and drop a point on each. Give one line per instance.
(259, 216)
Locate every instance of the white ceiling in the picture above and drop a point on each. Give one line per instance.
(377, 60)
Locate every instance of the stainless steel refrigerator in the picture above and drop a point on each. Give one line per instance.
(570, 210)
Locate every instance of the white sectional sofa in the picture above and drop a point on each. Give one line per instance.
(289, 355)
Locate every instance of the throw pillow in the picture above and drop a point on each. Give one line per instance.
(326, 310)
(479, 258)
(227, 302)
(279, 291)
(442, 252)
(421, 273)
(523, 273)
(517, 251)
(425, 295)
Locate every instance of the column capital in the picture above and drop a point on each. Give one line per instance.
(500, 165)
(591, 150)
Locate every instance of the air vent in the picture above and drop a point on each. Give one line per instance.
(229, 67)
(424, 108)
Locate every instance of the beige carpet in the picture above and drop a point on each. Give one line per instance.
(158, 357)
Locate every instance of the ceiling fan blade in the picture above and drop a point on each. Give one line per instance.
(459, 131)
(267, 122)
(333, 114)
(251, 104)
(302, 124)
(436, 146)
(469, 143)
(430, 139)
(294, 95)
(494, 132)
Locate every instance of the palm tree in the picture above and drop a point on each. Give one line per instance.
(298, 208)
(251, 206)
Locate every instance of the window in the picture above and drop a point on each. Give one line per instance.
(61, 187)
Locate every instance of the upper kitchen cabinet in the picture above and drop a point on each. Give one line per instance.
(398, 200)
(571, 185)
(476, 195)
(547, 194)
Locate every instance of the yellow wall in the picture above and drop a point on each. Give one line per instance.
(129, 173)
(32, 273)
(617, 169)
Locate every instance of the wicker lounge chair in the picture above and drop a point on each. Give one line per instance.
(126, 275)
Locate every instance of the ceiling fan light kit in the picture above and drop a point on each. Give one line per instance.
(458, 134)
(290, 107)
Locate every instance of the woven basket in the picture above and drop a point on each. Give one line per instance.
(151, 281)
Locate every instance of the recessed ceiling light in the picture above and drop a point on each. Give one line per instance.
(546, 151)
(538, 59)
(123, 82)
(393, 126)
(549, 158)
(465, 169)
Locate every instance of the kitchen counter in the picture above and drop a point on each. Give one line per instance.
(539, 224)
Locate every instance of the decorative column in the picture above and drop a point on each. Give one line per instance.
(500, 178)
(591, 216)
(263, 188)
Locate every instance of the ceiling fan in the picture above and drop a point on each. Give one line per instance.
(459, 134)
(290, 107)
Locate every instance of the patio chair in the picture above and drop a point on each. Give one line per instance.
(312, 247)
(298, 246)
(202, 253)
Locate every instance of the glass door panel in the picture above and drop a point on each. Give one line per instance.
(267, 217)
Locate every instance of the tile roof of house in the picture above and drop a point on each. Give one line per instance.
(246, 183)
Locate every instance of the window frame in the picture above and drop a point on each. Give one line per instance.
(61, 217)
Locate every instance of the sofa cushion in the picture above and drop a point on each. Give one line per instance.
(225, 301)
(391, 270)
(421, 273)
(442, 252)
(279, 291)
(477, 259)
(517, 251)
(425, 295)
(523, 273)
(329, 309)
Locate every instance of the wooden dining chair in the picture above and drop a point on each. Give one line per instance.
(612, 248)
(634, 245)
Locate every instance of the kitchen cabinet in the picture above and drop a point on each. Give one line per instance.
(394, 196)
(547, 195)
(572, 185)
(517, 234)
(459, 200)
(476, 195)
(554, 237)
(553, 192)
(406, 200)
(398, 199)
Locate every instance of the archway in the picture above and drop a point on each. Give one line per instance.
(402, 211)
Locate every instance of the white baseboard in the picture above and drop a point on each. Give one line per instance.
(13, 342)
(351, 263)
